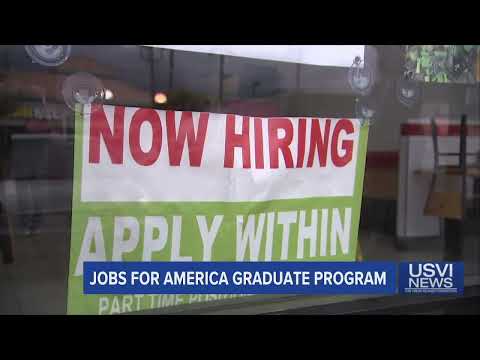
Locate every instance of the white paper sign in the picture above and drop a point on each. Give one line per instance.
(323, 55)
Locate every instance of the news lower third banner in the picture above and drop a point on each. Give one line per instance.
(119, 287)
(338, 278)
(239, 278)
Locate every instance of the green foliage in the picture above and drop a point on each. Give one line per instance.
(442, 63)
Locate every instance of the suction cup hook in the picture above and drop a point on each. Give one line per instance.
(84, 89)
(408, 90)
(49, 55)
(360, 77)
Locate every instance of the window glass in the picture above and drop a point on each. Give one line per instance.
(421, 190)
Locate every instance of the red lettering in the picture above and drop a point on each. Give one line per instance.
(318, 142)
(258, 144)
(233, 140)
(347, 145)
(113, 140)
(149, 157)
(186, 131)
(301, 142)
(276, 144)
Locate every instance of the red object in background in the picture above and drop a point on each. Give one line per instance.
(382, 159)
(443, 130)
(42, 126)
(37, 126)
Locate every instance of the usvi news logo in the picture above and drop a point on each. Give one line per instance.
(431, 278)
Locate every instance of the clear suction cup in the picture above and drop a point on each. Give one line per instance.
(84, 89)
(408, 90)
(49, 55)
(360, 77)
(366, 110)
